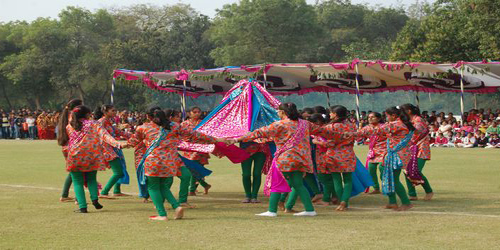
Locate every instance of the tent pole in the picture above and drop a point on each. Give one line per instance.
(475, 101)
(183, 100)
(113, 83)
(462, 92)
(265, 78)
(357, 93)
(328, 99)
(417, 99)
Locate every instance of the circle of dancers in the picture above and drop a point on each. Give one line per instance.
(308, 156)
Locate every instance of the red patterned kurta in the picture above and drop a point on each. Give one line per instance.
(299, 157)
(340, 157)
(115, 132)
(424, 145)
(164, 161)
(194, 156)
(395, 132)
(89, 154)
(380, 147)
(321, 155)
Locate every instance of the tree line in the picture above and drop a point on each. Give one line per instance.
(45, 62)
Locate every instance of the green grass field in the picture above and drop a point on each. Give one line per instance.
(465, 212)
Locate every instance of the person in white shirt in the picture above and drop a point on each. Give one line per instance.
(446, 129)
(467, 142)
(31, 126)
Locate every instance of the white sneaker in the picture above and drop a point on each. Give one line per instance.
(268, 214)
(305, 213)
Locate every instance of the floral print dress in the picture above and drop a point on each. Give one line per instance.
(424, 144)
(194, 156)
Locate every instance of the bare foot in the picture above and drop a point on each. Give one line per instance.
(290, 211)
(342, 207)
(102, 196)
(317, 198)
(146, 200)
(405, 207)
(254, 201)
(246, 200)
(428, 196)
(161, 218)
(121, 194)
(376, 191)
(187, 205)
(66, 199)
(413, 198)
(281, 206)
(322, 203)
(207, 188)
(192, 194)
(391, 206)
(179, 213)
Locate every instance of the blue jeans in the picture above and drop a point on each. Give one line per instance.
(15, 132)
(32, 132)
(5, 132)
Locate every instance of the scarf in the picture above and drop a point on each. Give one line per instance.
(77, 136)
(275, 181)
(393, 162)
(412, 172)
(141, 176)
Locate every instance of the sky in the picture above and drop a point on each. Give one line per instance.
(29, 10)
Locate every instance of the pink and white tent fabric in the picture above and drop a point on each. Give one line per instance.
(287, 79)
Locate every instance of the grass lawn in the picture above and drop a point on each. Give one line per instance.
(465, 212)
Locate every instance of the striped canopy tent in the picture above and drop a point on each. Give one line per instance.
(356, 77)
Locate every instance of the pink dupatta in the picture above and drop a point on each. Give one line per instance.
(275, 181)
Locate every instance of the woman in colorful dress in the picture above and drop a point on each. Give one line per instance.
(139, 151)
(86, 154)
(117, 165)
(324, 176)
(340, 157)
(161, 162)
(399, 131)
(185, 178)
(201, 158)
(422, 140)
(63, 139)
(292, 159)
(377, 148)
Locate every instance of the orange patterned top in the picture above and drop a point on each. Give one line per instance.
(164, 161)
(340, 157)
(194, 156)
(88, 154)
(380, 147)
(395, 132)
(424, 145)
(298, 158)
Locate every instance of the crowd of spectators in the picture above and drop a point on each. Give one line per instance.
(476, 128)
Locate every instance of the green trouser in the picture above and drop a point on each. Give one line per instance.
(78, 182)
(116, 167)
(328, 187)
(343, 188)
(296, 182)
(427, 187)
(66, 187)
(194, 183)
(399, 189)
(252, 189)
(311, 182)
(184, 185)
(373, 172)
(159, 191)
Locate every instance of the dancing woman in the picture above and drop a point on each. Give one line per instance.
(377, 148)
(421, 139)
(399, 131)
(201, 158)
(86, 154)
(117, 165)
(63, 139)
(161, 161)
(292, 159)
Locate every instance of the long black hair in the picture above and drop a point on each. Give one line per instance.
(78, 113)
(378, 115)
(341, 112)
(171, 113)
(317, 117)
(290, 110)
(106, 107)
(159, 117)
(98, 114)
(401, 115)
(411, 109)
(320, 109)
(62, 135)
